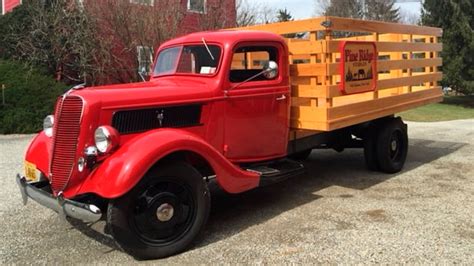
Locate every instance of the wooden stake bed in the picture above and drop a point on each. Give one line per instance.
(407, 61)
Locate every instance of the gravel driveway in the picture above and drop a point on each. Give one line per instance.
(337, 212)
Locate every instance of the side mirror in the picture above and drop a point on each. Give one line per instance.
(270, 70)
(143, 74)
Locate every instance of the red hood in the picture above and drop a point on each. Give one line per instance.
(162, 91)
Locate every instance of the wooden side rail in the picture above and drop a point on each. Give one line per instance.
(407, 66)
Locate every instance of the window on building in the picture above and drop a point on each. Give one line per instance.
(145, 58)
(249, 61)
(143, 2)
(197, 6)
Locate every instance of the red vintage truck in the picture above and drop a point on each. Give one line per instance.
(242, 107)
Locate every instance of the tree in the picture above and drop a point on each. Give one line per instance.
(283, 15)
(343, 8)
(246, 14)
(383, 10)
(455, 17)
(128, 31)
(97, 41)
(52, 35)
(218, 14)
(252, 13)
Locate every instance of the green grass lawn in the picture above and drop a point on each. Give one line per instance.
(452, 108)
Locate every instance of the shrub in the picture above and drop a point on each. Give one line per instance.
(30, 95)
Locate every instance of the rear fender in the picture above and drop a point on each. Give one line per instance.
(125, 167)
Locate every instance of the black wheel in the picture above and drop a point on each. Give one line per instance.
(370, 151)
(163, 213)
(301, 156)
(392, 146)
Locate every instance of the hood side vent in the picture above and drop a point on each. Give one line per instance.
(134, 121)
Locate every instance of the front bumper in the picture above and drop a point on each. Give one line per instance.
(86, 212)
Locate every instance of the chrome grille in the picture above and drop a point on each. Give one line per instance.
(66, 133)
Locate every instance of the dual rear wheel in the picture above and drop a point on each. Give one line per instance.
(386, 145)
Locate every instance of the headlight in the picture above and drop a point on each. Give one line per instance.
(106, 139)
(48, 124)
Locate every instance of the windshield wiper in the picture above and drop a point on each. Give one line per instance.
(207, 48)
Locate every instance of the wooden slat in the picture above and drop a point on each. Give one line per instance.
(408, 47)
(350, 114)
(306, 47)
(354, 25)
(333, 47)
(388, 83)
(313, 24)
(406, 81)
(309, 113)
(308, 91)
(383, 65)
(308, 70)
(344, 24)
(308, 125)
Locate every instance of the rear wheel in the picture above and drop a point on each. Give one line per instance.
(392, 146)
(386, 145)
(163, 213)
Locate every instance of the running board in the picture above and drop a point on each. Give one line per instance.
(275, 172)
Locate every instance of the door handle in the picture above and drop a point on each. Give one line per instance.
(281, 98)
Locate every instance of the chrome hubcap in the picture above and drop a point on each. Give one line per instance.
(165, 212)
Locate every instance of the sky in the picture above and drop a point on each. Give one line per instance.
(301, 9)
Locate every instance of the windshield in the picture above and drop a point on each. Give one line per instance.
(188, 59)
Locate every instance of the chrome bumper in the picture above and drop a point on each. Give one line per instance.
(86, 212)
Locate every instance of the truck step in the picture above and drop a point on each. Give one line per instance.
(275, 172)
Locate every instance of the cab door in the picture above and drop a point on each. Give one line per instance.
(256, 110)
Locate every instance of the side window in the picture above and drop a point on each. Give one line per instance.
(196, 60)
(198, 6)
(248, 61)
(142, 2)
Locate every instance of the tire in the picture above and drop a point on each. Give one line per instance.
(370, 150)
(300, 156)
(162, 214)
(392, 146)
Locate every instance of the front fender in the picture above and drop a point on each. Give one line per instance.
(38, 152)
(125, 167)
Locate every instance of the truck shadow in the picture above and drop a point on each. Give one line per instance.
(231, 214)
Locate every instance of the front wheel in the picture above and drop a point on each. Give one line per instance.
(162, 214)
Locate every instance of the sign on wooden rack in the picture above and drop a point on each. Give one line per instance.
(358, 67)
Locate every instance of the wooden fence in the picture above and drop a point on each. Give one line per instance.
(407, 66)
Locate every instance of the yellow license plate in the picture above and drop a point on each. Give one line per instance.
(31, 172)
